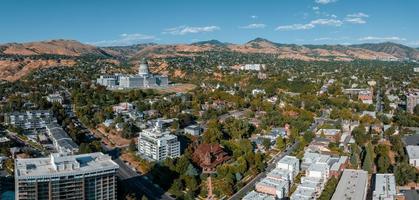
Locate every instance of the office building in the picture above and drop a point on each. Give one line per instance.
(353, 184)
(385, 187)
(157, 144)
(85, 176)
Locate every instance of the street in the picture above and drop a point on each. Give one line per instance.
(271, 165)
(133, 181)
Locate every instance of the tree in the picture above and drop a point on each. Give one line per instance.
(213, 134)
(404, 173)
(354, 155)
(132, 147)
(368, 163)
(266, 143)
(280, 143)
(329, 189)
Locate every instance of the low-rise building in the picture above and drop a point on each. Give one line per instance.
(194, 130)
(278, 188)
(34, 119)
(331, 134)
(413, 153)
(385, 187)
(290, 163)
(353, 184)
(55, 98)
(253, 195)
(60, 139)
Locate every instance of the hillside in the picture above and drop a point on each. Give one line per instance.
(19, 59)
(398, 50)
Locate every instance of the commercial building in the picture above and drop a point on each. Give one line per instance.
(412, 100)
(143, 79)
(413, 153)
(156, 144)
(353, 184)
(34, 119)
(385, 187)
(85, 176)
(61, 141)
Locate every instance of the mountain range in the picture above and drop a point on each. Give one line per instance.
(14, 69)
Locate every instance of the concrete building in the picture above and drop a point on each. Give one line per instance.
(143, 79)
(413, 153)
(353, 184)
(85, 176)
(34, 119)
(385, 187)
(412, 100)
(55, 98)
(156, 144)
(274, 187)
(257, 196)
(194, 130)
(60, 139)
(253, 67)
(290, 163)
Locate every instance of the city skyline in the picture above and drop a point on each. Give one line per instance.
(300, 22)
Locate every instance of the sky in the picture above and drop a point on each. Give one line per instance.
(126, 22)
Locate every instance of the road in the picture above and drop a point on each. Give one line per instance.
(133, 181)
(378, 106)
(271, 165)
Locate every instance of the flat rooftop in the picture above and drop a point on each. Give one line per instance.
(412, 151)
(61, 165)
(352, 185)
(385, 186)
(253, 195)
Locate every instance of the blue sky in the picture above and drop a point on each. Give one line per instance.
(125, 22)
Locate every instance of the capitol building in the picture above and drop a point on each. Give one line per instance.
(144, 79)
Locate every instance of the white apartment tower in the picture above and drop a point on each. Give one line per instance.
(156, 144)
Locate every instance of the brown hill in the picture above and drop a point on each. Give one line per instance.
(13, 69)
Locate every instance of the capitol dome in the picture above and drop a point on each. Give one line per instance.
(143, 70)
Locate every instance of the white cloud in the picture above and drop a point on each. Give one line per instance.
(125, 39)
(183, 30)
(316, 8)
(311, 25)
(355, 20)
(253, 26)
(374, 38)
(254, 17)
(327, 22)
(357, 15)
(325, 1)
(295, 27)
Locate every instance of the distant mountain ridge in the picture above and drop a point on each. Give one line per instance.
(385, 51)
(13, 69)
